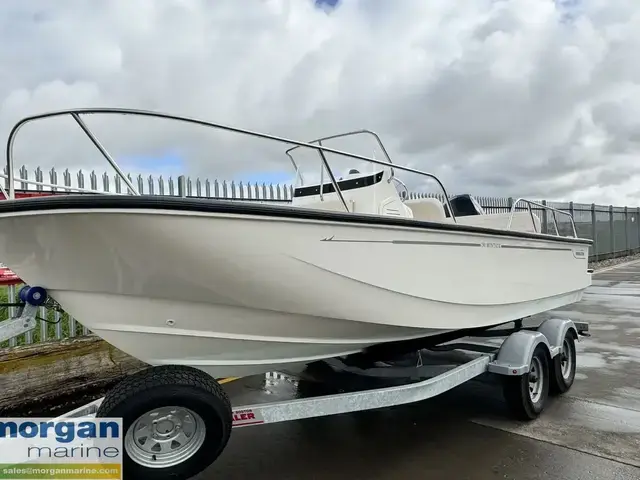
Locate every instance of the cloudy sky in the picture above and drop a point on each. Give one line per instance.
(536, 98)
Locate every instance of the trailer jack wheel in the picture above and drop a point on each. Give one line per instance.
(526, 395)
(563, 367)
(176, 421)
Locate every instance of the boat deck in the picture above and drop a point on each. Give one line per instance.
(592, 432)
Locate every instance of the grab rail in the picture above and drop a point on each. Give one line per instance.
(76, 112)
(544, 207)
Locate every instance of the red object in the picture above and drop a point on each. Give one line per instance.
(23, 194)
(7, 277)
(33, 193)
(44, 193)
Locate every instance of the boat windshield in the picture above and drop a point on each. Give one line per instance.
(311, 165)
(314, 171)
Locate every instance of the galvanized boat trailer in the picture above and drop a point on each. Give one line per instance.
(178, 419)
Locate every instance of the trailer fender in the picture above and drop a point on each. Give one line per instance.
(514, 356)
(555, 329)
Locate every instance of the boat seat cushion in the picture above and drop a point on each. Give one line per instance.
(427, 209)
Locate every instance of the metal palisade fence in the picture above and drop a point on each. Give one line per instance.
(180, 186)
(615, 230)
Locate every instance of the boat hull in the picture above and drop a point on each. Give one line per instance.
(237, 294)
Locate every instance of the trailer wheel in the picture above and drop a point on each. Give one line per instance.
(526, 395)
(176, 421)
(563, 367)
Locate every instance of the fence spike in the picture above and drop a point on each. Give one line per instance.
(66, 179)
(39, 178)
(53, 178)
(140, 182)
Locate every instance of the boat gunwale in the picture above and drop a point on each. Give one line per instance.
(230, 206)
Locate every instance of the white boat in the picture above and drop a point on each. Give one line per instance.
(242, 287)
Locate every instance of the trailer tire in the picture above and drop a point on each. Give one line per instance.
(169, 400)
(563, 367)
(526, 395)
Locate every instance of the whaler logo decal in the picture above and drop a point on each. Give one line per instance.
(246, 417)
(490, 245)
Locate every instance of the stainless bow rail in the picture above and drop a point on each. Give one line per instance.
(77, 112)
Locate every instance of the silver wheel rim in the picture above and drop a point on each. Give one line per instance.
(535, 380)
(566, 364)
(165, 437)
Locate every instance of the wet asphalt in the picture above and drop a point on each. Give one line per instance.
(592, 432)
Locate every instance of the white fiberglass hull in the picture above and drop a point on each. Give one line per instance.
(241, 293)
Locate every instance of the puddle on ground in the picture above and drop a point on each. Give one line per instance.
(609, 431)
(616, 291)
(603, 327)
(591, 360)
(630, 285)
(609, 348)
(621, 359)
(597, 416)
(614, 303)
(626, 397)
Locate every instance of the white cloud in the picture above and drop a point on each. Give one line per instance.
(521, 97)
